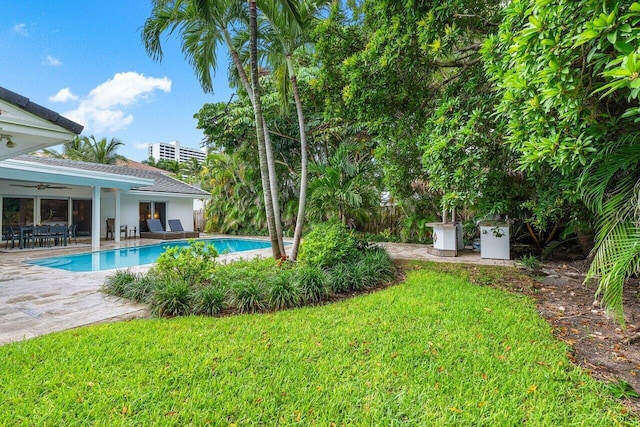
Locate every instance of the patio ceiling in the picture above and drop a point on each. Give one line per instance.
(26, 126)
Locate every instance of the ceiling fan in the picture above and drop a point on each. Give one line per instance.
(40, 186)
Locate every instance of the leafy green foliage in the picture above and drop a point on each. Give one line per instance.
(171, 297)
(208, 300)
(284, 291)
(248, 296)
(116, 283)
(311, 280)
(193, 263)
(328, 244)
(570, 99)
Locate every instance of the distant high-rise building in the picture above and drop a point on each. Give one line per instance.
(173, 151)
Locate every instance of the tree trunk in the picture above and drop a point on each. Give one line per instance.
(262, 151)
(297, 235)
(273, 181)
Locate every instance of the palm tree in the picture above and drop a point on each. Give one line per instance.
(343, 187)
(89, 149)
(611, 190)
(191, 169)
(103, 151)
(283, 39)
(203, 25)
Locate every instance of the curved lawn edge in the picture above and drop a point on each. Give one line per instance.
(433, 350)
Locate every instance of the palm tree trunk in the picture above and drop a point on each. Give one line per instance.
(273, 181)
(304, 162)
(262, 151)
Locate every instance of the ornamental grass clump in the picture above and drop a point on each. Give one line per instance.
(209, 300)
(283, 291)
(312, 282)
(248, 296)
(116, 283)
(171, 298)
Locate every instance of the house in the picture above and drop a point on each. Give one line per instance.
(58, 191)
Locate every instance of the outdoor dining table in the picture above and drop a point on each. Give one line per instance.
(55, 232)
(25, 232)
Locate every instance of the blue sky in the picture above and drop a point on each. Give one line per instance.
(85, 60)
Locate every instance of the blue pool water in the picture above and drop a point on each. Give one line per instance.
(139, 255)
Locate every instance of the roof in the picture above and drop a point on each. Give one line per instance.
(162, 183)
(137, 165)
(39, 110)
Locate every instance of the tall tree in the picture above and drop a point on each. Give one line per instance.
(567, 74)
(203, 25)
(283, 38)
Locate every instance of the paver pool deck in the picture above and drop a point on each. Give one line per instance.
(38, 300)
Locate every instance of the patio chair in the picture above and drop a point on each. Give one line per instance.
(111, 227)
(176, 225)
(73, 228)
(10, 235)
(42, 235)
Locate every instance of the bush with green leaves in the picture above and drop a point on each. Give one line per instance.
(312, 282)
(193, 263)
(172, 297)
(328, 244)
(208, 300)
(116, 283)
(248, 296)
(283, 292)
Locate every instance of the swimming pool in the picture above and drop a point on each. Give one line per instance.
(138, 255)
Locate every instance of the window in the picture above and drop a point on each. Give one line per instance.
(54, 211)
(17, 211)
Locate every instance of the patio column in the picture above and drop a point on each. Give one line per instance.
(95, 219)
(116, 225)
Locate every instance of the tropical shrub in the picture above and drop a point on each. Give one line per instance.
(312, 283)
(116, 283)
(171, 297)
(248, 296)
(193, 263)
(208, 300)
(328, 244)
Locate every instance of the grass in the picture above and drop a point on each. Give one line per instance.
(435, 350)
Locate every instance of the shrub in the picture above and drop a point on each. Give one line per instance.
(378, 265)
(283, 291)
(339, 278)
(248, 296)
(141, 289)
(209, 300)
(328, 244)
(171, 298)
(193, 263)
(312, 282)
(116, 283)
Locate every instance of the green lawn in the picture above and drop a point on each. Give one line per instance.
(434, 350)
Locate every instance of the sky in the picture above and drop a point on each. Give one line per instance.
(86, 61)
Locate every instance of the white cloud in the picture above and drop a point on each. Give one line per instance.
(103, 110)
(52, 61)
(63, 95)
(21, 29)
(142, 146)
